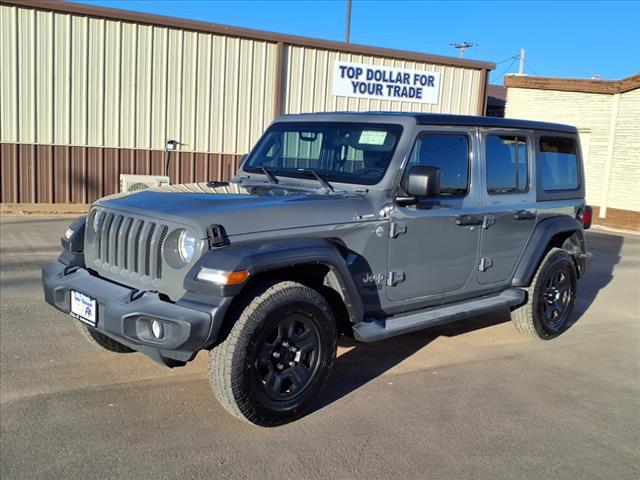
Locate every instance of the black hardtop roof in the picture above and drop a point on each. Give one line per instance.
(462, 120)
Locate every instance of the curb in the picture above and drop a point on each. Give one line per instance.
(43, 208)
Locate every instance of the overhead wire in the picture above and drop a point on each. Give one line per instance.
(505, 70)
(529, 67)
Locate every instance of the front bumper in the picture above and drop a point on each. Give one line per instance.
(125, 314)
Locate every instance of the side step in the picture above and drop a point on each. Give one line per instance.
(372, 330)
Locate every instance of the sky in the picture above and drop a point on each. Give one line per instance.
(575, 39)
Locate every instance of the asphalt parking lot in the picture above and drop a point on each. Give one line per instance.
(472, 400)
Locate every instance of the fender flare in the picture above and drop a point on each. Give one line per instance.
(539, 240)
(263, 256)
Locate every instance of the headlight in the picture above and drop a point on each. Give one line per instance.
(186, 246)
(97, 220)
(68, 233)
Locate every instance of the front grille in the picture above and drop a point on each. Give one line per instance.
(134, 245)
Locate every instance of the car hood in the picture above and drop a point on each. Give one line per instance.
(236, 209)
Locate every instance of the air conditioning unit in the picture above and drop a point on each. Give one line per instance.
(133, 183)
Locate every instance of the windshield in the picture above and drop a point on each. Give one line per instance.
(341, 152)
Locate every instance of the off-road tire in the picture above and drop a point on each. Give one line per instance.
(234, 364)
(529, 319)
(99, 340)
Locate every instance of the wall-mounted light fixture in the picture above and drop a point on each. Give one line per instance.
(170, 146)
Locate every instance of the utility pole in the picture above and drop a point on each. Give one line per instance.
(521, 69)
(348, 33)
(463, 46)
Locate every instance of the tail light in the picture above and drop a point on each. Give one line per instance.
(587, 216)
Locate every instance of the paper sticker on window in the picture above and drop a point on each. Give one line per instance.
(372, 137)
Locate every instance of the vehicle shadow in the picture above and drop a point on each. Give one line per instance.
(606, 248)
(367, 361)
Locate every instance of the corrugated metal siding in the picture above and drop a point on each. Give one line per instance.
(62, 174)
(83, 99)
(309, 78)
(76, 80)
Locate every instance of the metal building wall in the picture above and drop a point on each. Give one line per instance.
(94, 82)
(309, 77)
(88, 93)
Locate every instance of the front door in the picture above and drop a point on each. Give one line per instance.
(433, 245)
(509, 202)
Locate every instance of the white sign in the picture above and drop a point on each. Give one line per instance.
(385, 83)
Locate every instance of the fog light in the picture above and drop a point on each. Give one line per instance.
(156, 328)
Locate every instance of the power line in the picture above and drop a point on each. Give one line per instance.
(529, 67)
(506, 69)
(507, 59)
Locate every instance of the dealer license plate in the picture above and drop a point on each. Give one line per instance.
(84, 308)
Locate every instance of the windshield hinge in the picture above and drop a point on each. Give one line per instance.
(216, 236)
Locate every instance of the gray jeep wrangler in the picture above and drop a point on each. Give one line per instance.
(365, 224)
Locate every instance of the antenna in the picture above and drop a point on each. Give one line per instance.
(463, 46)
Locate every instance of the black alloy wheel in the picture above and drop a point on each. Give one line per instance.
(287, 357)
(557, 297)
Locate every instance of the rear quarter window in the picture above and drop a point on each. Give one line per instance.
(558, 163)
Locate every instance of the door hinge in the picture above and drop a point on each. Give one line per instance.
(395, 277)
(488, 220)
(485, 264)
(396, 229)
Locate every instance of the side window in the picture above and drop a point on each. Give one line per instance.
(507, 164)
(558, 163)
(448, 152)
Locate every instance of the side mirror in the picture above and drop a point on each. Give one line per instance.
(422, 181)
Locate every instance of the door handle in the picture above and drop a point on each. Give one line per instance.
(524, 215)
(466, 220)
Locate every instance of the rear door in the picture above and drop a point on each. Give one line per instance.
(509, 202)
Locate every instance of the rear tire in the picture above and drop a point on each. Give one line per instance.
(99, 340)
(275, 362)
(551, 297)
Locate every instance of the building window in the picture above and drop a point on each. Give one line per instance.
(558, 163)
(449, 153)
(507, 164)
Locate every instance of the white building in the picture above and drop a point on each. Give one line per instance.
(607, 115)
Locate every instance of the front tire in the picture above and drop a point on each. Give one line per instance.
(276, 360)
(551, 297)
(99, 340)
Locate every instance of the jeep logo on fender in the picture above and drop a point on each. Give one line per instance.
(373, 279)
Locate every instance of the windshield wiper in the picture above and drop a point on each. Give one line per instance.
(270, 176)
(312, 173)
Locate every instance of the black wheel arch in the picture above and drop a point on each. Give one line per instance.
(317, 262)
(556, 232)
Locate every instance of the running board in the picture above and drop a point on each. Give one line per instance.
(372, 330)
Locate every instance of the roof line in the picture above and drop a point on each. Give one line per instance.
(159, 20)
(442, 119)
(573, 84)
